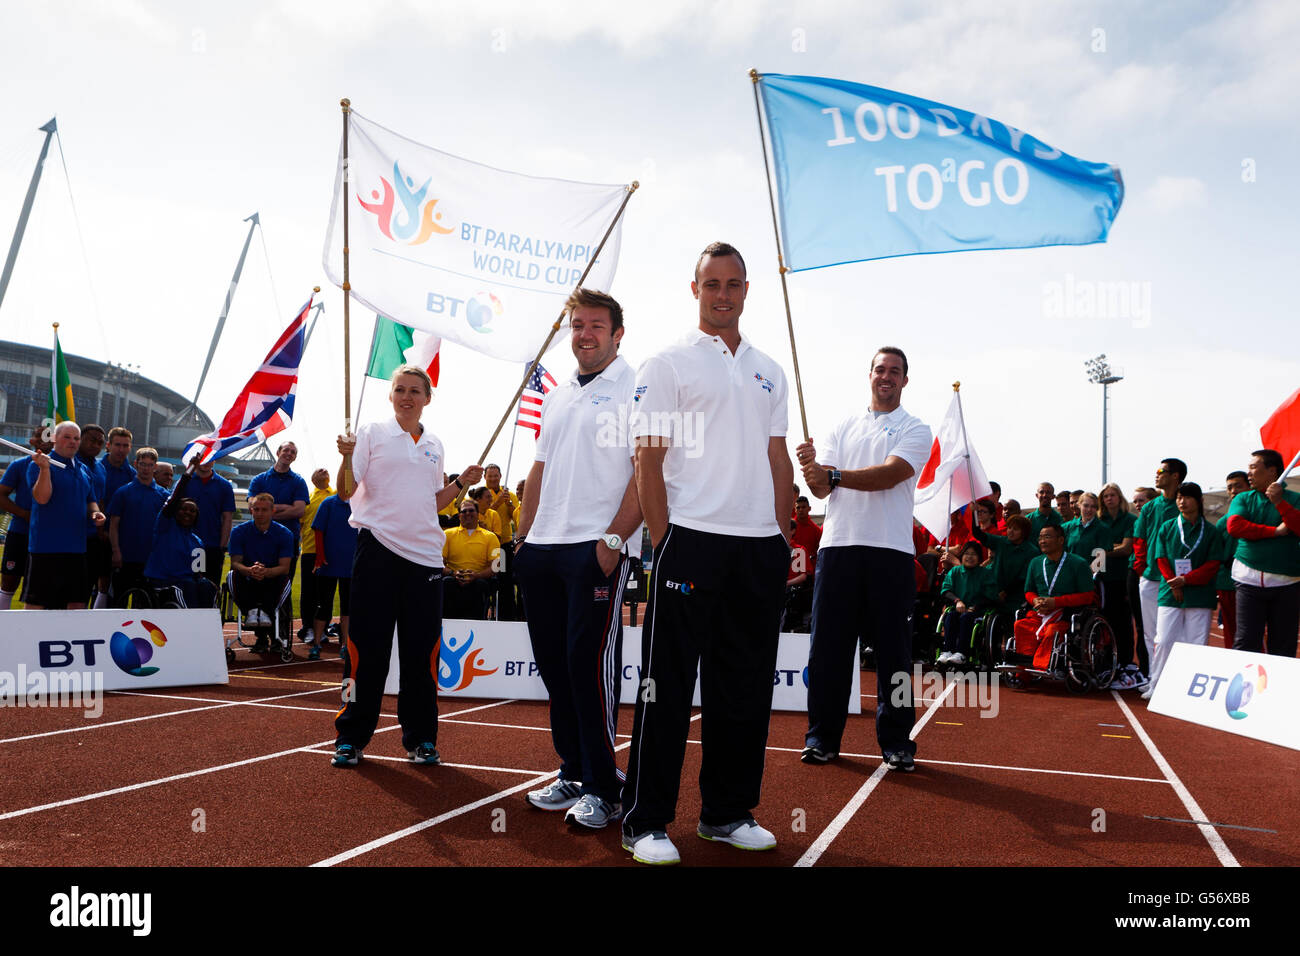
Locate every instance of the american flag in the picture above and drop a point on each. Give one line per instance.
(530, 402)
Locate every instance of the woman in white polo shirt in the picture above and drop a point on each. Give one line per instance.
(392, 473)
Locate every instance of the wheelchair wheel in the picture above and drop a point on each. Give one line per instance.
(230, 656)
(139, 599)
(988, 640)
(1099, 651)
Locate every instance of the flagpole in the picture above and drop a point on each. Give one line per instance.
(514, 433)
(346, 105)
(374, 334)
(528, 374)
(754, 77)
(965, 443)
(54, 377)
(1294, 461)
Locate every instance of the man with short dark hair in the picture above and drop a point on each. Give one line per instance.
(132, 514)
(580, 507)
(1226, 589)
(215, 497)
(16, 498)
(1266, 566)
(470, 553)
(1164, 507)
(865, 588)
(1044, 514)
(261, 557)
(99, 553)
(717, 511)
(290, 493)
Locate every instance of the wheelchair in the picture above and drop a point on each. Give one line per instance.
(1084, 656)
(988, 637)
(279, 637)
(150, 597)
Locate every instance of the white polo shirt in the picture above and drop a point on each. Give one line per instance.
(584, 446)
(719, 410)
(880, 519)
(397, 483)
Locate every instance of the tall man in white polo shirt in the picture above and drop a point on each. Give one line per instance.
(715, 480)
(865, 582)
(580, 506)
(392, 472)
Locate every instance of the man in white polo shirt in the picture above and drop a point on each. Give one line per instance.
(865, 582)
(580, 506)
(392, 472)
(714, 480)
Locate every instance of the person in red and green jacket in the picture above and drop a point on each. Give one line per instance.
(1115, 604)
(1237, 482)
(1054, 583)
(1186, 551)
(1011, 557)
(1171, 473)
(1266, 569)
(969, 589)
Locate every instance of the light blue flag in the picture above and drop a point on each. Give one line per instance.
(865, 173)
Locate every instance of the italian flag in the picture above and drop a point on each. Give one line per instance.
(60, 408)
(395, 345)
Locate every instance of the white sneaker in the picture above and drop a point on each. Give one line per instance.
(957, 658)
(746, 834)
(1146, 694)
(652, 847)
(945, 657)
(255, 618)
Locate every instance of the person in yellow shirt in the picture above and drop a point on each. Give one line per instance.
(470, 555)
(488, 518)
(504, 502)
(320, 479)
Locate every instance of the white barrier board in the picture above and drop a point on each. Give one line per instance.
(494, 660)
(1254, 695)
(109, 649)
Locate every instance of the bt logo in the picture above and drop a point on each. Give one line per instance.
(130, 654)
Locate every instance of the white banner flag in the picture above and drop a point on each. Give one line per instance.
(476, 255)
(946, 484)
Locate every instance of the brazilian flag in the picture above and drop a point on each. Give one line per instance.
(60, 408)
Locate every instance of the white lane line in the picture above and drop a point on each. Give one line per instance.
(434, 821)
(827, 836)
(207, 770)
(170, 713)
(484, 723)
(1193, 809)
(450, 814)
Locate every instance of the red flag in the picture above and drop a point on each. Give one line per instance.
(931, 466)
(1282, 430)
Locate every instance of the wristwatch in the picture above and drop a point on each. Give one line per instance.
(834, 477)
(612, 541)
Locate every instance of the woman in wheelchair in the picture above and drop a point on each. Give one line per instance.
(1054, 583)
(969, 589)
(170, 569)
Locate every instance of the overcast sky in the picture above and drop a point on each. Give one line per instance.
(178, 120)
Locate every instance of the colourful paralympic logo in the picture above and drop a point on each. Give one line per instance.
(455, 669)
(133, 653)
(403, 213)
(1245, 686)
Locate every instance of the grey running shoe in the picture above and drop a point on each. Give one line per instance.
(592, 812)
(559, 795)
(746, 834)
(425, 753)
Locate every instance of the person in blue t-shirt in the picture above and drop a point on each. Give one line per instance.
(99, 553)
(16, 499)
(261, 557)
(289, 491)
(215, 497)
(131, 516)
(177, 548)
(62, 499)
(336, 545)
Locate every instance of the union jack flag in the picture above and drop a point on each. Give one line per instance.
(265, 405)
(530, 402)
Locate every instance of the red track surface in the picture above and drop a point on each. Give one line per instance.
(1021, 788)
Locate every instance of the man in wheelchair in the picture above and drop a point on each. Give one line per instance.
(1054, 583)
(171, 570)
(261, 557)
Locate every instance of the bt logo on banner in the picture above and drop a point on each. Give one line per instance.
(1245, 686)
(130, 654)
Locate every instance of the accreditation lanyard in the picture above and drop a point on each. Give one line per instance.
(1187, 552)
(1052, 583)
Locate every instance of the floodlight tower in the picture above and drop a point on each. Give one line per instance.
(1100, 372)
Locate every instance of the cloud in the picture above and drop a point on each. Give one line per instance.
(1169, 193)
